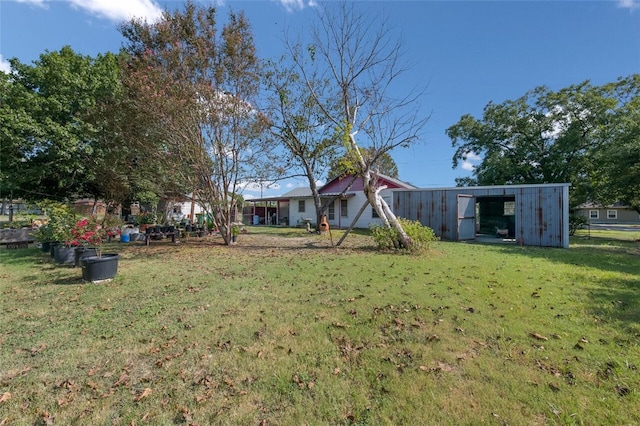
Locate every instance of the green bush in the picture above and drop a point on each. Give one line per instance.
(576, 221)
(389, 239)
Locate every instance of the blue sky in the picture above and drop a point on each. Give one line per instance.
(467, 53)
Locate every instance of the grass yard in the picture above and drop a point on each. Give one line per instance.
(282, 329)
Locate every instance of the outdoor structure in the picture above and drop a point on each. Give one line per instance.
(296, 207)
(611, 214)
(533, 215)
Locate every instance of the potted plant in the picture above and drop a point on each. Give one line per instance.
(44, 235)
(146, 220)
(62, 220)
(90, 231)
(235, 231)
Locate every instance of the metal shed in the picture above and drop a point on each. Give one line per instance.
(534, 215)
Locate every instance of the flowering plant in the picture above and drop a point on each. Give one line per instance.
(90, 231)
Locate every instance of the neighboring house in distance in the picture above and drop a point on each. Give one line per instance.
(297, 208)
(613, 213)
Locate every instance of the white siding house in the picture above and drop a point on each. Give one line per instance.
(349, 198)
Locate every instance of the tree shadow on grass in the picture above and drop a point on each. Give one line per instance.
(605, 254)
(613, 298)
(619, 300)
(69, 281)
(20, 257)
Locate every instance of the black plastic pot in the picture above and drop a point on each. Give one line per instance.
(82, 252)
(101, 268)
(64, 255)
(52, 247)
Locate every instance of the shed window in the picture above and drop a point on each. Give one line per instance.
(301, 206)
(509, 208)
(374, 213)
(594, 214)
(343, 208)
(612, 214)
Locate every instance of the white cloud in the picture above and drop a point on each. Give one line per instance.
(121, 10)
(4, 65)
(293, 5)
(628, 4)
(468, 158)
(466, 165)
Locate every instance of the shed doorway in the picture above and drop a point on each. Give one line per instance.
(496, 217)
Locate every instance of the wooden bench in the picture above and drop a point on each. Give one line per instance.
(16, 238)
(160, 235)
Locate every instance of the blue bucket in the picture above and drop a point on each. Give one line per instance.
(124, 238)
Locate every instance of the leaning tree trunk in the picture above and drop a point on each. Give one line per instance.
(377, 202)
(384, 211)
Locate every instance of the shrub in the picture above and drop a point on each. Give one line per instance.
(389, 239)
(576, 221)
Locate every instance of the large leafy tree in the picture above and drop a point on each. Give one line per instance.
(199, 86)
(349, 165)
(616, 175)
(361, 60)
(49, 147)
(570, 135)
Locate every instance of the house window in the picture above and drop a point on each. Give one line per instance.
(331, 213)
(374, 213)
(612, 214)
(594, 214)
(301, 206)
(343, 208)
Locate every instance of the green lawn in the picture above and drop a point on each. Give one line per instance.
(283, 329)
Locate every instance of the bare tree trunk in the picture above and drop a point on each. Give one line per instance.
(373, 196)
(353, 223)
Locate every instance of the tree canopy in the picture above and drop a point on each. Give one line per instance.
(49, 147)
(349, 165)
(199, 85)
(570, 135)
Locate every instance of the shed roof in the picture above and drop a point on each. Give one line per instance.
(489, 187)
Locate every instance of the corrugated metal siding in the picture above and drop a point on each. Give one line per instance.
(541, 216)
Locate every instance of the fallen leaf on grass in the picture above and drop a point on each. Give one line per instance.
(434, 338)
(5, 397)
(538, 336)
(442, 366)
(46, 418)
(122, 380)
(145, 393)
(37, 349)
(622, 391)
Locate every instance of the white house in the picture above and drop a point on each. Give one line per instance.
(296, 207)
